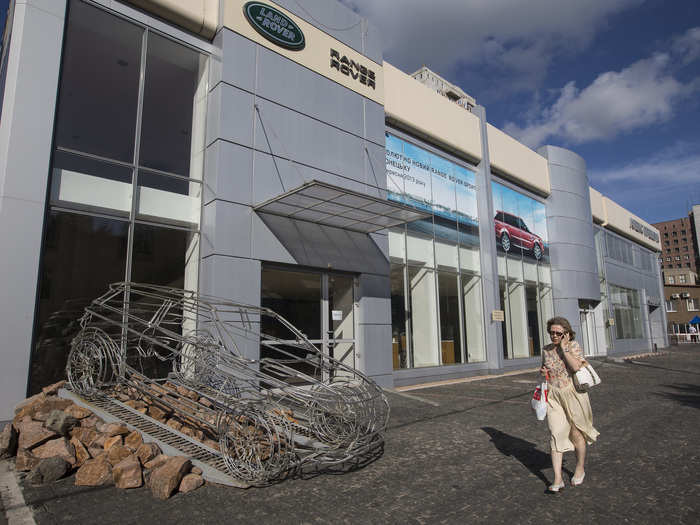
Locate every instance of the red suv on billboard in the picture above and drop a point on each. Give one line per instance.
(512, 230)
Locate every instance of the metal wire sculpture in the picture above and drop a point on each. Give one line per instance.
(292, 408)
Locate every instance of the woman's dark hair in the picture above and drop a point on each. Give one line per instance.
(564, 323)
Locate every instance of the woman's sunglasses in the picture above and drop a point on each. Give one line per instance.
(558, 334)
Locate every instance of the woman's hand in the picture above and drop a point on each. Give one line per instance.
(564, 343)
(543, 370)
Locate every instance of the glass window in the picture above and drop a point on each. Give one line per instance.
(626, 305)
(692, 304)
(681, 279)
(423, 315)
(398, 318)
(670, 306)
(473, 318)
(450, 338)
(172, 199)
(671, 279)
(170, 121)
(99, 89)
(81, 256)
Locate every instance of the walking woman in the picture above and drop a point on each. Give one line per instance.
(569, 414)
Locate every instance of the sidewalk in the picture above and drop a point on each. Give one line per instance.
(467, 452)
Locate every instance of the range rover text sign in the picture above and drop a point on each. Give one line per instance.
(275, 26)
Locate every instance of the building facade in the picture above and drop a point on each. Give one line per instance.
(266, 153)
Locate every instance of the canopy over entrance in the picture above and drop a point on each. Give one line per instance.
(329, 205)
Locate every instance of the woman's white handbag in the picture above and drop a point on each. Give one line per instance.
(585, 378)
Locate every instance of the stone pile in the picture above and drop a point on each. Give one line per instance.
(51, 437)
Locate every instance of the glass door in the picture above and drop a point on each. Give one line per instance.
(319, 304)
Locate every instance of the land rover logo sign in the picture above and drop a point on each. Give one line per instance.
(274, 25)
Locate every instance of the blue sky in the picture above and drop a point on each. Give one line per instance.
(617, 81)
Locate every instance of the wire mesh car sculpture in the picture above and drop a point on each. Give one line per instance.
(293, 408)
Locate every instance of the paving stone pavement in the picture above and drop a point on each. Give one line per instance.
(467, 453)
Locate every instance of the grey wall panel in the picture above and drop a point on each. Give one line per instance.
(374, 122)
(266, 246)
(571, 230)
(375, 168)
(300, 89)
(228, 173)
(568, 308)
(226, 229)
(566, 179)
(324, 247)
(339, 22)
(305, 140)
(575, 284)
(230, 115)
(26, 131)
(237, 60)
(375, 299)
(571, 257)
(374, 352)
(382, 242)
(557, 156)
(568, 204)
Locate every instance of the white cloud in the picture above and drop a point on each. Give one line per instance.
(687, 46)
(515, 38)
(640, 95)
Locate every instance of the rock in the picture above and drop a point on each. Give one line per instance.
(94, 473)
(156, 462)
(113, 429)
(157, 413)
(117, 453)
(114, 440)
(204, 401)
(136, 405)
(96, 451)
(29, 402)
(142, 410)
(211, 444)
(85, 435)
(98, 441)
(147, 451)
(90, 422)
(81, 453)
(48, 470)
(191, 482)
(164, 480)
(78, 412)
(41, 411)
(25, 461)
(196, 470)
(127, 473)
(60, 447)
(8, 442)
(32, 434)
(60, 422)
(174, 424)
(133, 440)
(53, 389)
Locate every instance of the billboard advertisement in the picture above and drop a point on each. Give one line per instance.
(520, 223)
(431, 183)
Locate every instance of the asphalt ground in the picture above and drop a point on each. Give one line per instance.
(469, 452)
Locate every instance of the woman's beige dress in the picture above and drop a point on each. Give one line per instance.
(566, 406)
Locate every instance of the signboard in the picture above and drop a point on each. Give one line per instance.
(274, 25)
(638, 227)
(498, 315)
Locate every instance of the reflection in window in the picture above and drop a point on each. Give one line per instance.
(99, 84)
(399, 343)
(81, 256)
(450, 338)
(628, 315)
(424, 337)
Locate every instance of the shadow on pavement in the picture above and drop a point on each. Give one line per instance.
(687, 394)
(524, 451)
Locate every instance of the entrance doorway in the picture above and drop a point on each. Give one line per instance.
(320, 304)
(589, 338)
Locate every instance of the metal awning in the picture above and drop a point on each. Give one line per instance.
(323, 203)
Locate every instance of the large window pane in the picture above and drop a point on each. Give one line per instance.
(424, 337)
(174, 90)
(99, 84)
(81, 256)
(164, 256)
(450, 339)
(398, 318)
(473, 318)
(168, 198)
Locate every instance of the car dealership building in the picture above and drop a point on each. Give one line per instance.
(264, 152)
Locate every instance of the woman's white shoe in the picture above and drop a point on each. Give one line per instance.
(556, 487)
(575, 482)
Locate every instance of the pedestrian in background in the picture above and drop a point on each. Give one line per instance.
(569, 414)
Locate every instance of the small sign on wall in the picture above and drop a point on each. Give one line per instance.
(337, 315)
(498, 315)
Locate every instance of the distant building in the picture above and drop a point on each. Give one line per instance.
(431, 79)
(679, 264)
